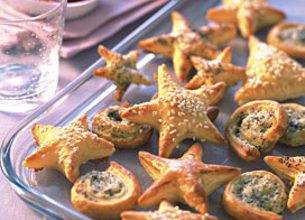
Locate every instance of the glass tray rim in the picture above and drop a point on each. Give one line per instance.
(32, 197)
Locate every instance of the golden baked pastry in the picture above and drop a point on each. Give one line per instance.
(121, 69)
(248, 15)
(289, 37)
(255, 127)
(217, 70)
(295, 135)
(272, 74)
(104, 195)
(255, 195)
(292, 169)
(187, 179)
(122, 133)
(178, 113)
(184, 42)
(66, 148)
(166, 212)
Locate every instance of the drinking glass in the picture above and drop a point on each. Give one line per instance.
(30, 39)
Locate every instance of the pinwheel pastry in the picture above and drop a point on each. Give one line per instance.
(104, 195)
(295, 135)
(178, 113)
(121, 69)
(166, 212)
(217, 70)
(66, 148)
(292, 169)
(255, 195)
(255, 127)
(248, 15)
(289, 37)
(184, 42)
(187, 179)
(122, 133)
(271, 74)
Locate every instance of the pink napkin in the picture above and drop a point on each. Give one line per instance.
(104, 21)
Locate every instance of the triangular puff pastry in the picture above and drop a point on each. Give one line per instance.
(272, 75)
(248, 15)
(184, 41)
(186, 179)
(67, 148)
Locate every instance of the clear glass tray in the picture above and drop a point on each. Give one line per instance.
(48, 191)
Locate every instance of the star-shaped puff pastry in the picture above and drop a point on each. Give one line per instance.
(185, 41)
(292, 169)
(271, 74)
(178, 113)
(187, 179)
(166, 211)
(209, 72)
(66, 148)
(121, 69)
(248, 15)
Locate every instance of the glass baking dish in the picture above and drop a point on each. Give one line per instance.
(48, 191)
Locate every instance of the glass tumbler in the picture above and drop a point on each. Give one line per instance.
(30, 39)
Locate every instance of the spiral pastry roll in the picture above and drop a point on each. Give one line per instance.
(255, 127)
(256, 195)
(104, 195)
(295, 135)
(121, 132)
(289, 37)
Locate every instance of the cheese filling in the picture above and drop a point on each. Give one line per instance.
(260, 191)
(98, 186)
(293, 35)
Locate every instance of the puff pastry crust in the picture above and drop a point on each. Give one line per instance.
(248, 15)
(186, 179)
(66, 148)
(166, 211)
(104, 195)
(217, 70)
(295, 135)
(184, 41)
(271, 74)
(122, 133)
(255, 127)
(121, 69)
(289, 37)
(255, 195)
(292, 169)
(178, 113)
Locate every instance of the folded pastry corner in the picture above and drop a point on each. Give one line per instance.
(66, 148)
(106, 194)
(255, 195)
(255, 127)
(292, 169)
(184, 41)
(178, 113)
(248, 15)
(271, 74)
(187, 179)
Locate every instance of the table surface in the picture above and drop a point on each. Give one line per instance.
(12, 206)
